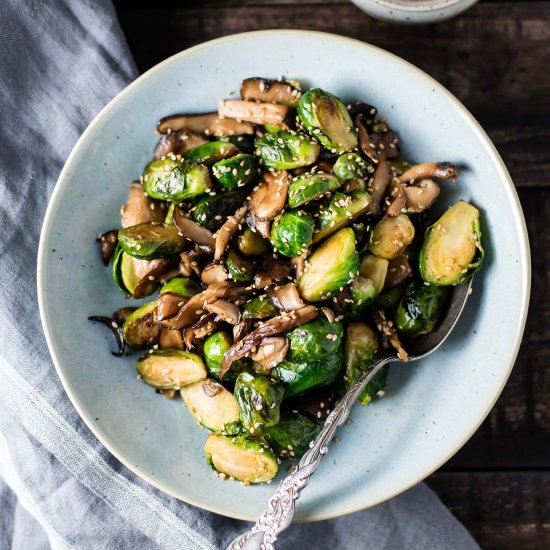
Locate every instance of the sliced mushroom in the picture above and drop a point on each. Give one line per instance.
(251, 111)
(380, 182)
(202, 328)
(115, 328)
(177, 143)
(213, 273)
(120, 315)
(193, 231)
(441, 170)
(269, 91)
(227, 311)
(169, 304)
(171, 339)
(385, 143)
(368, 112)
(389, 334)
(268, 199)
(226, 232)
(107, 244)
(140, 208)
(298, 263)
(241, 329)
(421, 195)
(365, 141)
(329, 314)
(168, 394)
(399, 271)
(188, 267)
(262, 280)
(260, 226)
(286, 297)
(275, 326)
(206, 123)
(395, 200)
(158, 269)
(271, 351)
(278, 270)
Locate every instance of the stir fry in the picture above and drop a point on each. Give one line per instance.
(289, 242)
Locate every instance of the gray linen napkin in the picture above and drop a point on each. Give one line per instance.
(60, 62)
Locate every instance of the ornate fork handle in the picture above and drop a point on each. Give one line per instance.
(280, 506)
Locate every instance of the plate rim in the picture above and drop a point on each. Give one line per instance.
(62, 182)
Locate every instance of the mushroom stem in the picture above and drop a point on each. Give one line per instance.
(442, 170)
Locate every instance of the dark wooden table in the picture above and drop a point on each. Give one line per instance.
(496, 59)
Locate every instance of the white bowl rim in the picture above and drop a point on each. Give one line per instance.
(62, 182)
(418, 6)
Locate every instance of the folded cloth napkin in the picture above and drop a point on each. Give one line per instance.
(60, 62)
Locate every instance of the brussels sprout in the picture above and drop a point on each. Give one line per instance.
(212, 406)
(213, 351)
(240, 458)
(331, 266)
(391, 236)
(311, 187)
(360, 346)
(236, 171)
(211, 211)
(140, 329)
(452, 250)
(298, 377)
(259, 308)
(239, 267)
(389, 299)
(212, 152)
(327, 119)
(259, 401)
(170, 369)
(291, 437)
(251, 243)
(128, 271)
(375, 269)
(286, 150)
(244, 142)
(341, 211)
(420, 308)
(150, 240)
(292, 232)
(315, 340)
(350, 166)
(182, 286)
(175, 180)
(362, 292)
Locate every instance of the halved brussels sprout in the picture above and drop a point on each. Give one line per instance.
(259, 400)
(350, 166)
(291, 437)
(150, 240)
(341, 211)
(298, 377)
(212, 406)
(175, 180)
(212, 152)
(311, 187)
(452, 250)
(389, 299)
(391, 236)
(251, 243)
(237, 171)
(259, 308)
(362, 292)
(241, 458)
(287, 150)
(375, 269)
(244, 142)
(240, 268)
(332, 265)
(420, 308)
(211, 211)
(140, 329)
(214, 349)
(292, 232)
(315, 340)
(128, 271)
(360, 347)
(170, 369)
(327, 119)
(182, 286)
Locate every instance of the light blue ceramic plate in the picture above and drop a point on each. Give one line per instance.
(431, 408)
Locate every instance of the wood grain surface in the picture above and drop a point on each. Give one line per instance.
(496, 59)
